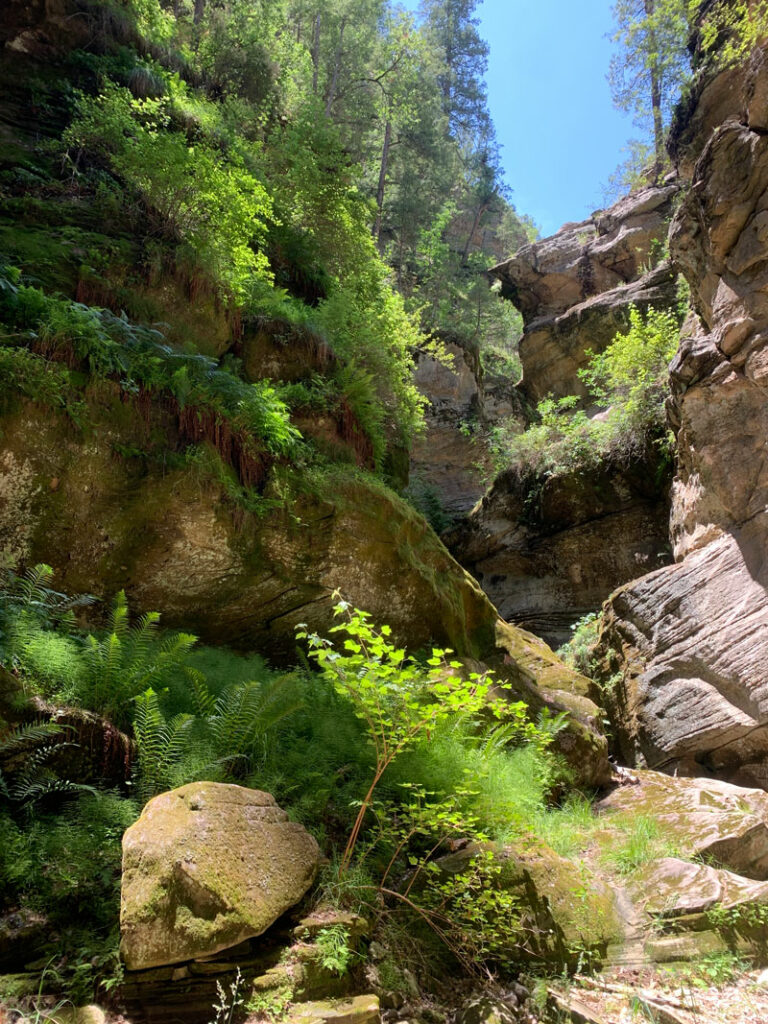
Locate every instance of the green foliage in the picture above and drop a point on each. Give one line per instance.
(651, 66)
(629, 379)
(138, 357)
(640, 841)
(209, 201)
(396, 697)
(128, 660)
(333, 949)
(578, 653)
(731, 30)
(67, 866)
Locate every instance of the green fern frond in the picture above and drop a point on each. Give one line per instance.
(203, 700)
(21, 735)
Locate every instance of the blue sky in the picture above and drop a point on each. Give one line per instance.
(551, 104)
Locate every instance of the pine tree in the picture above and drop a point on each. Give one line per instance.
(648, 71)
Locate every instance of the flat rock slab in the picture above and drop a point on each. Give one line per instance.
(205, 867)
(676, 888)
(358, 1010)
(702, 817)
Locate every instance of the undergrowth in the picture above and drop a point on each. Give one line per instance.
(628, 381)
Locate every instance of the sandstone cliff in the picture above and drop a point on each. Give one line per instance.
(548, 549)
(690, 641)
(575, 288)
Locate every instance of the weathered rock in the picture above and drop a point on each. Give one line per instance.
(683, 655)
(554, 348)
(549, 550)
(205, 867)
(356, 1010)
(449, 461)
(596, 255)
(575, 288)
(671, 889)
(690, 641)
(704, 818)
(23, 934)
(174, 542)
(554, 927)
(77, 1015)
(487, 1009)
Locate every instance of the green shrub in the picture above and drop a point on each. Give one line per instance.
(208, 201)
(629, 380)
(578, 653)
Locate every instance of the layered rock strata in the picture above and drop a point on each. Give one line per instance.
(548, 549)
(548, 552)
(686, 647)
(575, 288)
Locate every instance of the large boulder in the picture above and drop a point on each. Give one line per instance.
(205, 867)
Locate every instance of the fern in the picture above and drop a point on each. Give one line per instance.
(130, 660)
(35, 779)
(220, 741)
(161, 744)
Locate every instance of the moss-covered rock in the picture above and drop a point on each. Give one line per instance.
(727, 825)
(114, 503)
(357, 1010)
(206, 867)
(566, 911)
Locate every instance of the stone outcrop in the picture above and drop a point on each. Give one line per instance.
(206, 867)
(449, 462)
(705, 819)
(575, 288)
(174, 541)
(690, 641)
(549, 551)
(550, 548)
(553, 926)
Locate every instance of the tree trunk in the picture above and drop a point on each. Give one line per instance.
(316, 54)
(475, 224)
(336, 68)
(382, 181)
(197, 17)
(658, 121)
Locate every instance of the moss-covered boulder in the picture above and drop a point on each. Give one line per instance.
(703, 818)
(565, 910)
(205, 867)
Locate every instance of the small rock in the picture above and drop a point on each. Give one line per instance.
(78, 1015)
(762, 979)
(486, 1010)
(376, 951)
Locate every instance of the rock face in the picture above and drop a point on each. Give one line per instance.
(553, 926)
(448, 462)
(725, 825)
(548, 552)
(690, 641)
(549, 549)
(206, 867)
(174, 541)
(575, 288)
